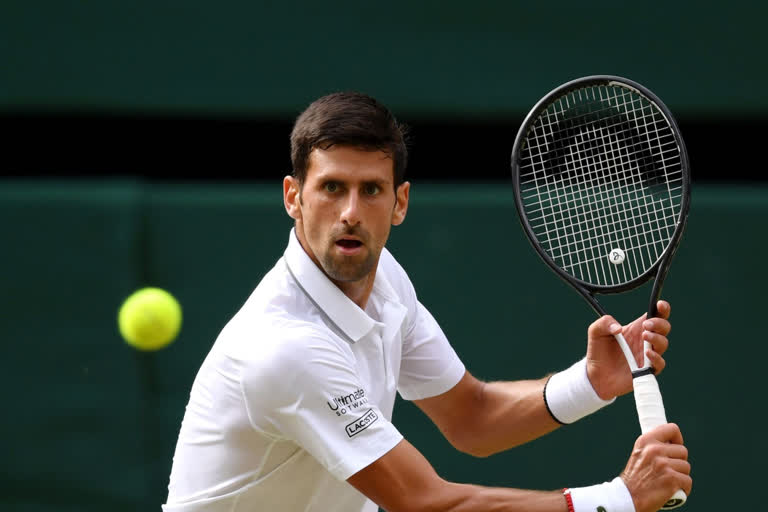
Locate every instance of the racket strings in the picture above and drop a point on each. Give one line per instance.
(601, 170)
(591, 178)
(574, 252)
(668, 153)
(661, 225)
(619, 127)
(577, 252)
(635, 143)
(623, 200)
(567, 256)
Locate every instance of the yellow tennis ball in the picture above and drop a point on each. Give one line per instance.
(149, 319)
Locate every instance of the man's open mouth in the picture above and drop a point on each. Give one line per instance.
(349, 244)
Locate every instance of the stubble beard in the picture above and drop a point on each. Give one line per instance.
(348, 271)
(349, 268)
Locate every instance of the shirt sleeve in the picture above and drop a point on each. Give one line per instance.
(307, 390)
(429, 365)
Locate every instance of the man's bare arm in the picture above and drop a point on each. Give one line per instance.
(404, 481)
(483, 418)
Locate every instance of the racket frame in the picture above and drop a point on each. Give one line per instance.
(661, 266)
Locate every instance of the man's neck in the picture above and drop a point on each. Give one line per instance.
(357, 291)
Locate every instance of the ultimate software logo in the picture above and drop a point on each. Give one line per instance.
(341, 404)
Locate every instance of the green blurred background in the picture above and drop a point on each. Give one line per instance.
(144, 142)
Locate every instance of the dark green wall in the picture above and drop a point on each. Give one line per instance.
(90, 425)
(427, 57)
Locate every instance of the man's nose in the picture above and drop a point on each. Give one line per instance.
(350, 213)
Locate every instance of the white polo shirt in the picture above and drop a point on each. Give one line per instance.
(296, 394)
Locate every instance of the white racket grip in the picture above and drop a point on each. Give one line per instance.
(650, 407)
(650, 411)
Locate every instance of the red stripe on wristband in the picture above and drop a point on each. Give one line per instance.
(568, 499)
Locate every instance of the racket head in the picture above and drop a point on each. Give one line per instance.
(599, 164)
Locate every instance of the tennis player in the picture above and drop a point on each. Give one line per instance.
(291, 410)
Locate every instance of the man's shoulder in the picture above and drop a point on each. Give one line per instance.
(397, 278)
(275, 327)
(277, 298)
(297, 351)
(277, 312)
(279, 348)
(274, 321)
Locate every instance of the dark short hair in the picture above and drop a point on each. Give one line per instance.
(348, 118)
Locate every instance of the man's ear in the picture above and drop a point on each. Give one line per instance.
(292, 197)
(401, 203)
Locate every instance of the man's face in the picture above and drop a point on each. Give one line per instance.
(345, 209)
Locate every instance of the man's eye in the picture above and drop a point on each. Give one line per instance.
(371, 189)
(331, 187)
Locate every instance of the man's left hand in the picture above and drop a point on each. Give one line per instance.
(607, 368)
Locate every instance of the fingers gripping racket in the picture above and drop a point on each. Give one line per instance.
(602, 186)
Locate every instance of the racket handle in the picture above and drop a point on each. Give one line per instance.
(650, 407)
(650, 411)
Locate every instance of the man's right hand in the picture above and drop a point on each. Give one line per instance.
(657, 468)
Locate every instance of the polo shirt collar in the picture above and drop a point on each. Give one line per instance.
(344, 313)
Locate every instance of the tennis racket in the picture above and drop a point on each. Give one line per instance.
(602, 187)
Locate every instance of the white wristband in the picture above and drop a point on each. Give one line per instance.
(611, 496)
(569, 395)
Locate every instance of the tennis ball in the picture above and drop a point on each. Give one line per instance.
(149, 319)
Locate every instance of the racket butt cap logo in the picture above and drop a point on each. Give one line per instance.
(616, 256)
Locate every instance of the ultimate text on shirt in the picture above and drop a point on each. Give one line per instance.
(341, 404)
